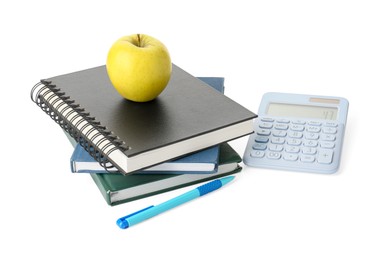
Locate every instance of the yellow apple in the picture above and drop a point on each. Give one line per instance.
(139, 67)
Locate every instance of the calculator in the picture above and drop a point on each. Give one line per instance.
(298, 132)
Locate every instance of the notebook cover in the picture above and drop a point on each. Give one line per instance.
(209, 155)
(187, 108)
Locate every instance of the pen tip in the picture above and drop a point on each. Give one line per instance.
(123, 224)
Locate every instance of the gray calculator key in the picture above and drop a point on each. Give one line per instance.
(329, 130)
(316, 123)
(276, 147)
(294, 141)
(263, 132)
(295, 134)
(267, 119)
(325, 156)
(310, 143)
(284, 121)
(279, 133)
(328, 145)
(290, 157)
(259, 147)
(309, 150)
(299, 128)
(261, 139)
(274, 155)
(292, 149)
(257, 154)
(313, 129)
(281, 126)
(312, 136)
(331, 124)
(299, 122)
(328, 137)
(265, 125)
(308, 158)
(277, 140)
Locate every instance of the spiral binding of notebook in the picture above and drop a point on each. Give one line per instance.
(96, 139)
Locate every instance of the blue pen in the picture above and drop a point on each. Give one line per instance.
(152, 211)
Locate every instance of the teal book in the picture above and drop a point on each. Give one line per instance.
(117, 189)
(204, 162)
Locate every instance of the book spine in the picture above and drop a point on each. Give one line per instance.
(80, 125)
(103, 187)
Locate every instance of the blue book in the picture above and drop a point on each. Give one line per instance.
(205, 161)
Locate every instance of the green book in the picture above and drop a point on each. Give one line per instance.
(117, 189)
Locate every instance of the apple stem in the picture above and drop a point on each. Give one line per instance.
(139, 40)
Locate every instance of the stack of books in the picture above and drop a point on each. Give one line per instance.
(133, 150)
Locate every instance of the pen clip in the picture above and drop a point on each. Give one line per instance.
(122, 223)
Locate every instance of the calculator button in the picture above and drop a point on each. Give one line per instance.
(290, 157)
(292, 149)
(328, 137)
(257, 154)
(328, 145)
(313, 129)
(309, 150)
(315, 123)
(307, 158)
(331, 124)
(310, 143)
(295, 134)
(312, 136)
(281, 126)
(284, 121)
(261, 139)
(294, 142)
(279, 133)
(267, 119)
(274, 155)
(299, 122)
(265, 132)
(266, 125)
(259, 147)
(276, 147)
(329, 130)
(297, 128)
(277, 140)
(325, 156)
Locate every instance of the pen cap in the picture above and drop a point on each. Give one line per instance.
(122, 222)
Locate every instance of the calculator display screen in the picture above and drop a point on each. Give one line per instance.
(293, 110)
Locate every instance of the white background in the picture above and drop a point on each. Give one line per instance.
(337, 48)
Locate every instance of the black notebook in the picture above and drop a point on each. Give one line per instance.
(187, 116)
